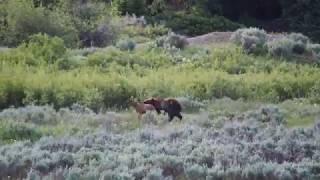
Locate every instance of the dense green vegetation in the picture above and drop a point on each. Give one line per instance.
(44, 72)
(93, 22)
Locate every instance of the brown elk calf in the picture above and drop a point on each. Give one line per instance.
(142, 108)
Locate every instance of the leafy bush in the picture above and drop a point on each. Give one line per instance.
(111, 56)
(195, 172)
(153, 31)
(12, 94)
(72, 62)
(108, 56)
(136, 7)
(298, 37)
(192, 25)
(176, 41)
(301, 42)
(252, 40)
(281, 48)
(314, 93)
(45, 48)
(83, 51)
(126, 45)
(299, 48)
(155, 174)
(102, 35)
(189, 105)
(171, 40)
(133, 20)
(315, 49)
(40, 49)
(157, 7)
(11, 132)
(294, 44)
(118, 96)
(31, 114)
(240, 33)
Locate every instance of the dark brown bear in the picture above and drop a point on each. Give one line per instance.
(170, 106)
(156, 102)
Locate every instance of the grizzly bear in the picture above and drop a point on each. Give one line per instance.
(170, 106)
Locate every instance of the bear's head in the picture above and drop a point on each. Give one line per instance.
(156, 102)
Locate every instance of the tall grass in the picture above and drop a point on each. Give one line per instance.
(201, 75)
(95, 89)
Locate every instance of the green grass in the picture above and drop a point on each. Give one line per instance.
(301, 121)
(300, 113)
(297, 113)
(11, 132)
(66, 129)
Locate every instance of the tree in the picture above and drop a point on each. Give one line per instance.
(136, 7)
(303, 16)
(23, 19)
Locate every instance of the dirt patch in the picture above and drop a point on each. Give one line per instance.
(3, 49)
(223, 37)
(276, 36)
(214, 37)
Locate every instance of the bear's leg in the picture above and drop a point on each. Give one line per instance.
(179, 116)
(164, 112)
(158, 111)
(171, 116)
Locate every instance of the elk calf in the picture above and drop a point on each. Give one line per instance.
(142, 108)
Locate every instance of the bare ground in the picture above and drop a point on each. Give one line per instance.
(221, 37)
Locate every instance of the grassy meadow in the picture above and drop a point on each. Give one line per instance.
(76, 109)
